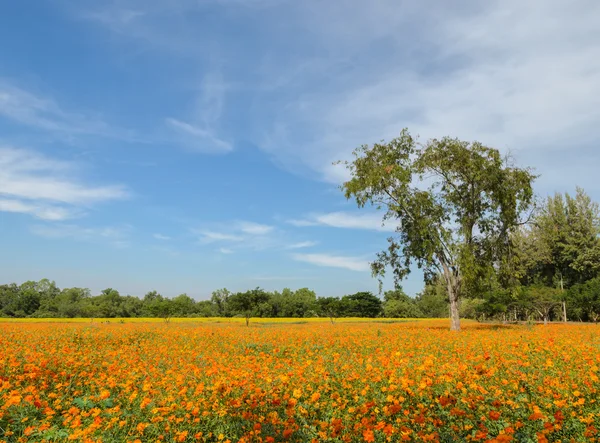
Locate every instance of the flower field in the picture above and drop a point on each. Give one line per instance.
(347, 382)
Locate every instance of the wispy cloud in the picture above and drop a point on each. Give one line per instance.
(200, 130)
(255, 228)
(165, 251)
(450, 70)
(277, 278)
(302, 223)
(117, 236)
(334, 261)
(225, 251)
(370, 221)
(206, 236)
(242, 235)
(300, 245)
(200, 139)
(115, 18)
(161, 237)
(49, 189)
(45, 114)
(40, 211)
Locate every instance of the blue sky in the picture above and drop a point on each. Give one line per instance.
(186, 146)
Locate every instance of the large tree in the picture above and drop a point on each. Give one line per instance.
(455, 204)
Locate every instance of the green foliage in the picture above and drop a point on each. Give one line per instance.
(542, 299)
(584, 300)
(401, 309)
(219, 298)
(396, 294)
(399, 305)
(330, 307)
(433, 300)
(471, 307)
(288, 303)
(9, 296)
(44, 299)
(183, 306)
(561, 248)
(247, 302)
(361, 304)
(162, 308)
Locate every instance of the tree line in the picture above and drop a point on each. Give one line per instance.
(44, 299)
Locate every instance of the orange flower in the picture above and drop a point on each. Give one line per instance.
(368, 436)
(494, 415)
(343, 383)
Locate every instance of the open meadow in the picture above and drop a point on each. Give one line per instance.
(297, 381)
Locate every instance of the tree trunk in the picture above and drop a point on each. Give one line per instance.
(454, 315)
(453, 287)
(564, 303)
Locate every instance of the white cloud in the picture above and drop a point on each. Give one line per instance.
(334, 261)
(49, 189)
(516, 75)
(225, 251)
(370, 221)
(255, 228)
(117, 236)
(161, 237)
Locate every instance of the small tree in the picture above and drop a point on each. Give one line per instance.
(544, 300)
(362, 304)
(247, 302)
(329, 306)
(455, 204)
(162, 308)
